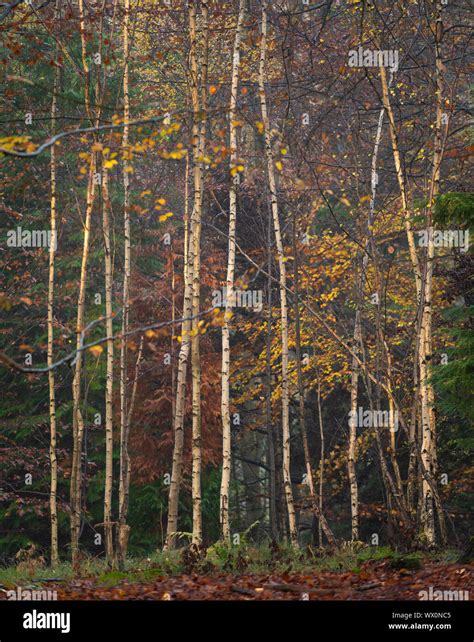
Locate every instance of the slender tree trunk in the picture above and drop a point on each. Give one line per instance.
(401, 179)
(198, 29)
(301, 405)
(321, 460)
(429, 495)
(272, 490)
(414, 261)
(352, 454)
(134, 387)
(51, 285)
(225, 402)
(428, 447)
(283, 296)
(78, 421)
(124, 478)
(178, 420)
(356, 343)
(109, 440)
(393, 428)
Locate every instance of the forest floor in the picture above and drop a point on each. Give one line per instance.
(374, 581)
(370, 574)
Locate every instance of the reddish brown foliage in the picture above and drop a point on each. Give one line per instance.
(375, 581)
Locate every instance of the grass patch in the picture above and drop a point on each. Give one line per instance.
(220, 558)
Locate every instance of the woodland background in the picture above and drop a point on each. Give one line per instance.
(343, 240)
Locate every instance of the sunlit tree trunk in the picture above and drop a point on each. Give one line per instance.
(51, 285)
(401, 178)
(414, 262)
(428, 446)
(109, 442)
(356, 343)
(124, 480)
(352, 454)
(225, 402)
(428, 495)
(272, 490)
(178, 419)
(283, 294)
(78, 421)
(198, 30)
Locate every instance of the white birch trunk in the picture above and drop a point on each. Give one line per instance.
(225, 401)
(109, 442)
(51, 376)
(283, 295)
(124, 474)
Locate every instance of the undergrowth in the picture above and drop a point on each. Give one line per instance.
(221, 558)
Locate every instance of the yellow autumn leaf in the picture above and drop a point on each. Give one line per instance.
(279, 165)
(110, 163)
(96, 350)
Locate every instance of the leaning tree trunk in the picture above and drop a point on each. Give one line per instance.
(283, 287)
(234, 176)
(414, 262)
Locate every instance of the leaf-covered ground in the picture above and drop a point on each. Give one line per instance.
(373, 581)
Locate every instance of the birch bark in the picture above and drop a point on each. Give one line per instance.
(51, 285)
(225, 401)
(124, 474)
(293, 532)
(109, 441)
